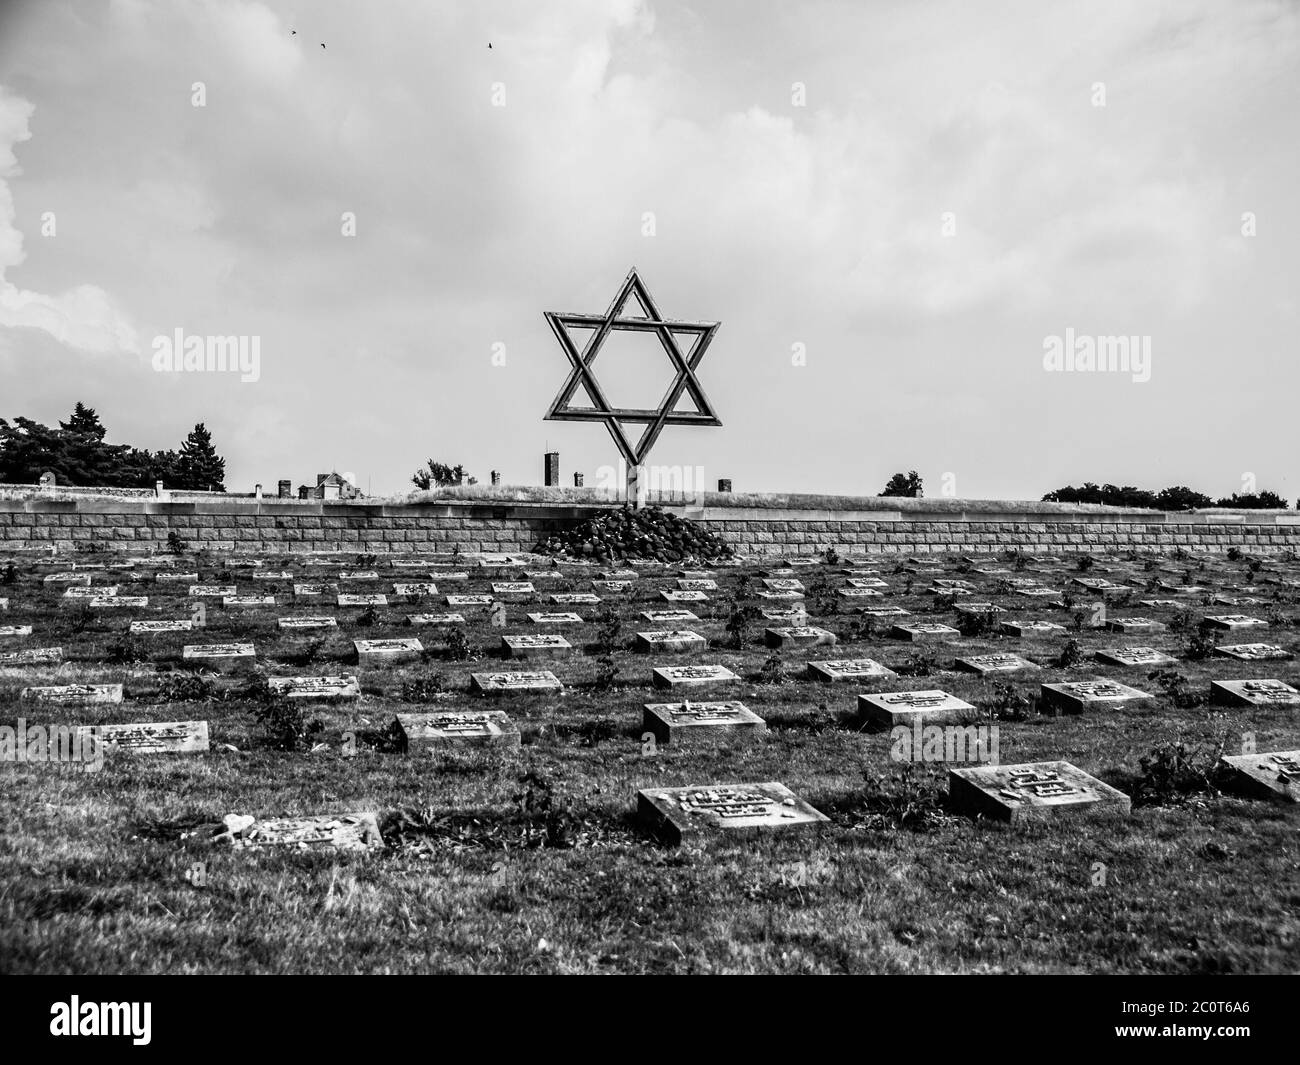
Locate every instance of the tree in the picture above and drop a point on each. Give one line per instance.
(198, 466)
(1181, 497)
(1264, 500)
(908, 485)
(437, 474)
(84, 420)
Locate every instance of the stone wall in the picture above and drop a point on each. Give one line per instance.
(269, 527)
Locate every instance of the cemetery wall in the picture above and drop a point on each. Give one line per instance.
(249, 526)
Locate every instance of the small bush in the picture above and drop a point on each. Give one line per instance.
(458, 646)
(772, 671)
(1173, 771)
(1071, 655)
(175, 545)
(423, 689)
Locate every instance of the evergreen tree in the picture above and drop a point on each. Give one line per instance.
(198, 466)
(908, 484)
(84, 420)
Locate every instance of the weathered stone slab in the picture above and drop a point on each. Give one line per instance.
(678, 596)
(309, 621)
(273, 575)
(674, 813)
(153, 737)
(220, 655)
(676, 641)
(848, 669)
(866, 582)
(1133, 625)
(33, 656)
(457, 728)
(338, 832)
(212, 591)
(1252, 652)
(86, 592)
(416, 589)
(15, 630)
(387, 652)
(435, 619)
(511, 683)
(907, 708)
(767, 593)
(973, 609)
(1134, 657)
(1172, 604)
(342, 687)
(1032, 791)
(799, 636)
(885, 612)
(918, 632)
(314, 591)
(1230, 622)
(575, 598)
(176, 578)
(795, 615)
(671, 723)
(346, 600)
(520, 588)
(152, 628)
(1267, 775)
(692, 676)
(539, 646)
(994, 663)
(247, 602)
(1253, 693)
(1033, 628)
(556, 618)
(463, 601)
(68, 578)
(698, 584)
(613, 587)
(858, 593)
(784, 584)
(74, 694)
(1079, 695)
(359, 575)
(668, 617)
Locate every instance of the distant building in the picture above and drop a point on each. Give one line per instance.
(330, 486)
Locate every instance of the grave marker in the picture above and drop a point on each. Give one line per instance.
(541, 646)
(387, 652)
(799, 636)
(340, 687)
(510, 683)
(339, 832)
(153, 737)
(457, 728)
(671, 723)
(692, 676)
(1032, 791)
(911, 708)
(220, 655)
(994, 663)
(322, 621)
(671, 640)
(848, 669)
(1253, 693)
(1270, 775)
(1252, 652)
(678, 812)
(1077, 696)
(74, 694)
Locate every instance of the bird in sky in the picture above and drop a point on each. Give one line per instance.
(293, 33)
(323, 46)
(489, 44)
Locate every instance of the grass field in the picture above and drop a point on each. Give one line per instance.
(531, 860)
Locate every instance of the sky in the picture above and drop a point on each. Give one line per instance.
(891, 207)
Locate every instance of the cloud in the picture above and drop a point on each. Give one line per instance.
(85, 317)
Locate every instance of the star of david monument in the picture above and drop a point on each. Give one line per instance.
(619, 420)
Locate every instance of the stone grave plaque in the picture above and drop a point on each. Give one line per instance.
(1038, 592)
(512, 683)
(671, 723)
(979, 608)
(692, 676)
(763, 593)
(513, 588)
(1172, 604)
(910, 708)
(541, 646)
(237, 602)
(619, 574)
(781, 572)
(309, 621)
(359, 575)
(15, 630)
(787, 584)
(1239, 600)
(212, 591)
(994, 663)
(1233, 621)
(74, 694)
(796, 615)
(387, 652)
(86, 592)
(176, 578)
(866, 582)
(150, 628)
(1252, 652)
(435, 619)
(1079, 695)
(1133, 625)
(672, 640)
(694, 574)
(943, 586)
(342, 687)
(1033, 628)
(575, 598)
(470, 600)
(1253, 693)
(34, 656)
(885, 612)
(848, 669)
(1099, 584)
(313, 591)
(1032, 791)
(1267, 775)
(1133, 657)
(269, 575)
(689, 584)
(668, 617)
(68, 578)
(153, 737)
(556, 618)
(799, 636)
(413, 563)
(220, 655)
(457, 728)
(362, 600)
(674, 813)
(858, 593)
(338, 832)
(420, 588)
(917, 632)
(615, 587)
(679, 596)
(245, 563)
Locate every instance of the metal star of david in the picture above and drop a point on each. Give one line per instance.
(615, 417)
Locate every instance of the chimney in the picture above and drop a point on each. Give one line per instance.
(496, 477)
(577, 480)
(724, 484)
(284, 489)
(552, 470)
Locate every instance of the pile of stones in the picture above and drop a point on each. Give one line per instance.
(649, 533)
